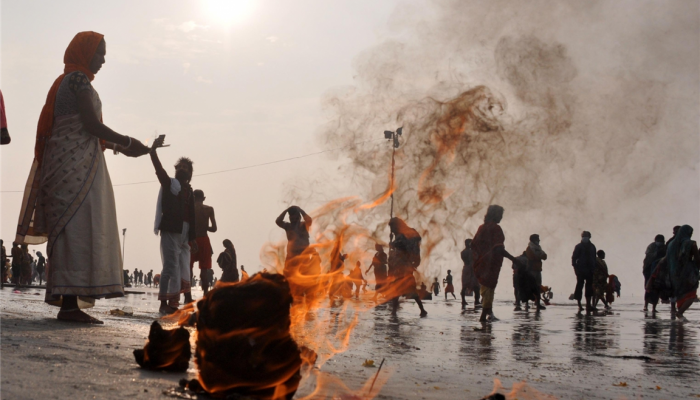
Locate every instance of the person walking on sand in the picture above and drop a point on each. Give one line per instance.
(357, 279)
(175, 221)
(68, 200)
(600, 281)
(489, 251)
(469, 282)
(435, 288)
(684, 270)
(40, 266)
(205, 222)
(654, 252)
(404, 258)
(535, 255)
(449, 288)
(584, 262)
(379, 263)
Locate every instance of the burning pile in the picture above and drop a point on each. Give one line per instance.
(167, 350)
(244, 346)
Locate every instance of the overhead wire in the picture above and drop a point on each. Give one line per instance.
(238, 168)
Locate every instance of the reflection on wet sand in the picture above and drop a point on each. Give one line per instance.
(593, 335)
(671, 345)
(476, 340)
(526, 336)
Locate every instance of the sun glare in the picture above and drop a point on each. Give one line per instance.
(228, 12)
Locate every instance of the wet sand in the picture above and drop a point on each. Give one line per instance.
(622, 354)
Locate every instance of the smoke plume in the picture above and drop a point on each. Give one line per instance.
(571, 115)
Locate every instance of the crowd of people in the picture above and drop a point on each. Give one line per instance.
(69, 204)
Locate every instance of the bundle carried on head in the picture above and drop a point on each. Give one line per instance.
(244, 345)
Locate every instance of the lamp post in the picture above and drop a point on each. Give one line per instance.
(123, 246)
(394, 137)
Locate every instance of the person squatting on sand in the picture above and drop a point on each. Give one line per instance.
(404, 258)
(469, 282)
(68, 201)
(175, 220)
(489, 251)
(204, 222)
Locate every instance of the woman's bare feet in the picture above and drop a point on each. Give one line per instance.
(77, 316)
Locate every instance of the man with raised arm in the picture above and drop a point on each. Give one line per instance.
(175, 221)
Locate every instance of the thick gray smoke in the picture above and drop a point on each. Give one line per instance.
(572, 115)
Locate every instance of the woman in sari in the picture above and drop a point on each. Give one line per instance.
(683, 264)
(68, 200)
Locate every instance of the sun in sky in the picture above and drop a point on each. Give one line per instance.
(228, 12)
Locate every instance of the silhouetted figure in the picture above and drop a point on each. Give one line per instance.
(244, 274)
(3, 262)
(435, 287)
(337, 283)
(302, 266)
(675, 232)
(357, 279)
(684, 264)
(125, 277)
(228, 263)
(654, 252)
(379, 263)
(149, 278)
(535, 255)
(297, 230)
(4, 133)
(525, 282)
(40, 266)
(449, 287)
(489, 250)
(204, 222)
(600, 280)
(17, 260)
(175, 220)
(469, 282)
(404, 258)
(584, 262)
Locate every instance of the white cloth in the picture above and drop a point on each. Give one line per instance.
(175, 188)
(175, 254)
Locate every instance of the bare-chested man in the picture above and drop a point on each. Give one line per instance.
(204, 222)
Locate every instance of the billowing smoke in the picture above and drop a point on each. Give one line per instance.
(571, 115)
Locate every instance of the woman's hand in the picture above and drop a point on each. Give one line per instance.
(137, 149)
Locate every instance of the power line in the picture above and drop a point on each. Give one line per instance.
(237, 168)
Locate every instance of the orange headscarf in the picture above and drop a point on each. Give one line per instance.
(77, 58)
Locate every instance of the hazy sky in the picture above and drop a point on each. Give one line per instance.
(237, 83)
(231, 83)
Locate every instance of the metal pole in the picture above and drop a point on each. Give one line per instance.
(393, 153)
(123, 246)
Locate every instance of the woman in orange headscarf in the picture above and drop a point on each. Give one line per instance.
(68, 200)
